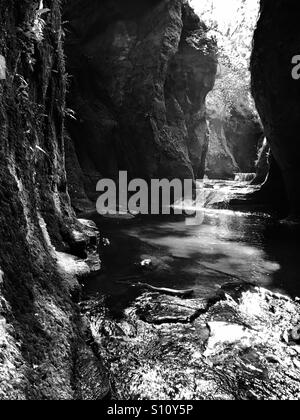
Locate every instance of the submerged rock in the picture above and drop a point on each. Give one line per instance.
(162, 309)
(169, 292)
(228, 347)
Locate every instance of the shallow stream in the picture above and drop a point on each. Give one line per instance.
(158, 346)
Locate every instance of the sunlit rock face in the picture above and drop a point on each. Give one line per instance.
(277, 94)
(234, 138)
(141, 72)
(220, 162)
(238, 345)
(262, 163)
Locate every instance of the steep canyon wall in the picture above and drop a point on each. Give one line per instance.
(140, 75)
(41, 338)
(277, 94)
(234, 138)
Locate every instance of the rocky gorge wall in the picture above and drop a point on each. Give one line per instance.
(141, 72)
(42, 339)
(165, 67)
(277, 94)
(151, 66)
(234, 138)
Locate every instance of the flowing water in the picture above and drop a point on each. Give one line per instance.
(217, 247)
(201, 253)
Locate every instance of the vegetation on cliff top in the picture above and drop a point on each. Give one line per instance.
(232, 25)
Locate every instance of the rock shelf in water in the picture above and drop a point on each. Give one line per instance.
(229, 347)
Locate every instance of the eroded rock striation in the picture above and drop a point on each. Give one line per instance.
(141, 72)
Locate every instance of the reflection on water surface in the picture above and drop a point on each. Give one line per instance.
(220, 246)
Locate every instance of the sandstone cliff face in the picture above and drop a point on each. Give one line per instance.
(277, 94)
(142, 71)
(39, 326)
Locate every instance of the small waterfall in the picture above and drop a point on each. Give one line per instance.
(212, 192)
(217, 194)
(244, 177)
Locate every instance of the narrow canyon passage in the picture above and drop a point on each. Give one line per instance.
(104, 300)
